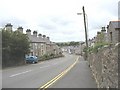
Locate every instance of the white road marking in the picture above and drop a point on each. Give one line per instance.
(51, 65)
(40, 67)
(20, 73)
(45, 66)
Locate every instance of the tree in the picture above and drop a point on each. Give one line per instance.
(14, 47)
(72, 43)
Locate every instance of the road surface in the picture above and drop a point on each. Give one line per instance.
(37, 75)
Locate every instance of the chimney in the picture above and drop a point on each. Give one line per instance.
(8, 27)
(28, 32)
(103, 30)
(44, 36)
(48, 38)
(98, 33)
(107, 27)
(35, 33)
(40, 35)
(20, 29)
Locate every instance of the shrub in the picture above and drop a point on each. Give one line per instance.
(96, 47)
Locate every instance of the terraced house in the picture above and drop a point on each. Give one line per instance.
(39, 44)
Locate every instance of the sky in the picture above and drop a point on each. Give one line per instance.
(58, 19)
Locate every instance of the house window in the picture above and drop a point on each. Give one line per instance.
(42, 45)
(35, 45)
(111, 37)
(42, 52)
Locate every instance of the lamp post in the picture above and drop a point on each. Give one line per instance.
(86, 36)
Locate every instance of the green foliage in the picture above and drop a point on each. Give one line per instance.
(72, 43)
(96, 47)
(14, 45)
(85, 49)
(15, 42)
(101, 38)
(51, 56)
(46, 56)
(62, 44)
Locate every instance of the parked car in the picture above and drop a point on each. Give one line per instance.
(31, 59)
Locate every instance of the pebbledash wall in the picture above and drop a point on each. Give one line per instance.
(104, 66)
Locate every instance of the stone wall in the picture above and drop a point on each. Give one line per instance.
(104, 66)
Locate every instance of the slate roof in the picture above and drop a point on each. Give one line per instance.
(47, 41)
(115, 24)
(36, 39)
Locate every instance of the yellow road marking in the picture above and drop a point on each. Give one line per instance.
(57, 77)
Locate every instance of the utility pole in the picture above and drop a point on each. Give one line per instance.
(86, 36)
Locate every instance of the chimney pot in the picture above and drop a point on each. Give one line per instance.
(35, 33)
(107, 26)
(103, 30)
(44, 36)
(28, 30)
(8, 25)
(48, 38)
(39, 34)
(98, 33)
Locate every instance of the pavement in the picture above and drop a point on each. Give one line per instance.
(79, 76)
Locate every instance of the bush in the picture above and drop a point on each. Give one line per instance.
(51, 56)
(44, 57)
(14, 47)
(96, 47)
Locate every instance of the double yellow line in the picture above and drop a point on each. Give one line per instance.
(57, 77)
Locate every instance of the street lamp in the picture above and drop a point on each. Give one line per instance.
(86, 27)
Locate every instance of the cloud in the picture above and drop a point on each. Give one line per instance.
(13, 20)
(58, 18)
(47, 26)
(54, 22)
(119, 10)
(61, 21)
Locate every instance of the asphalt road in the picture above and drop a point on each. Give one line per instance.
(36, 75)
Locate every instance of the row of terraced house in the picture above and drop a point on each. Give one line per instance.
(39, 44)
(109, 34)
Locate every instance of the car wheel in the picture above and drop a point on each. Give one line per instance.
(36, 62)
(33, 62)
